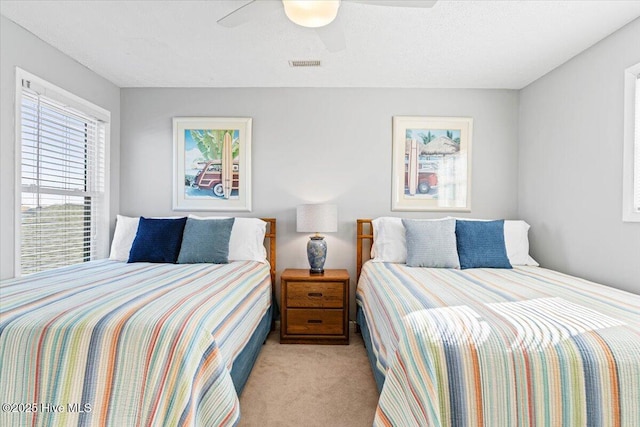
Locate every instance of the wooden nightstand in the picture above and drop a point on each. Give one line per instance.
(315, 307)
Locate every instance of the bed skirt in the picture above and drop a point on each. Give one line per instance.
(361, 320)
(243, 364)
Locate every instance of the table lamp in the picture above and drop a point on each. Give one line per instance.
(317, 219)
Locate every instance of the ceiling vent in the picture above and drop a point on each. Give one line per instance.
(308, 63)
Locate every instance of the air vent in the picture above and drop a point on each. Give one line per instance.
(308, 63)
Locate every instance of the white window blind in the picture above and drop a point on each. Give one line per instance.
(62, 183)
(636, 157)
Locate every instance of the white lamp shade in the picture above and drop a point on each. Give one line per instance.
(317, 218)
(312, 14)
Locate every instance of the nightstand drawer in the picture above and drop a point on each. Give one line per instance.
(315, 294)
(315, 322)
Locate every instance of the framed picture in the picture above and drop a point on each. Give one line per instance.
(212, 164)
(431, 164)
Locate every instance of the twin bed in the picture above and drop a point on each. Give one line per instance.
(127, 344)
(497, 347)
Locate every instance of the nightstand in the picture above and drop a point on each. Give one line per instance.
(314, 307)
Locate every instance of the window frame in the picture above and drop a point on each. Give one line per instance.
(630, 168)
(60, 95)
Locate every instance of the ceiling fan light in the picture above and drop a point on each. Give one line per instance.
(311, 13)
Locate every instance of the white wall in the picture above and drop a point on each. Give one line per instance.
(317, 145)
(20, 48)
(570, 165)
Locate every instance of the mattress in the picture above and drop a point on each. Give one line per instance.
(521, 347)
(111, 343)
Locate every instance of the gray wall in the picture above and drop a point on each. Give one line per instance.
(550, 154)
(317, 145)
(570, 165)
(20, 48)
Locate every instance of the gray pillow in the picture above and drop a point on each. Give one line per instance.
(431, 243)
(206, 241)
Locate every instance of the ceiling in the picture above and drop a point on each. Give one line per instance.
(455, 44)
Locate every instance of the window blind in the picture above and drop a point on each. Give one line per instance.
(62, 183)
(636, 157)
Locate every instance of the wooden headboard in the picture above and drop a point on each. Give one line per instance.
(270, 245)
(364, 233)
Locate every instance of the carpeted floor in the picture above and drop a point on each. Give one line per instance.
(310, 385)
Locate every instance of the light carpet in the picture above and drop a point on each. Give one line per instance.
(310, 385)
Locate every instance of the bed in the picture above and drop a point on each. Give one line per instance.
(132, 344)
(510, 347)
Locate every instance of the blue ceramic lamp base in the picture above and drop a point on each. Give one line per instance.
(317, 254)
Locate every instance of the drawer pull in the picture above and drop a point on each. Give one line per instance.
(314, 321)
(315, 294)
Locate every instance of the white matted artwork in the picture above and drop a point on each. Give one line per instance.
(431, 164)
(212, 163)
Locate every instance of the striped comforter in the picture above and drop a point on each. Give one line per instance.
(110, 343)
(493, 347)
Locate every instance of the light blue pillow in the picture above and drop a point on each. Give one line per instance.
(481, 244)
(431, 243)
(206, 241)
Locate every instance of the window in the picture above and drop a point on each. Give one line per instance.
(631, 167)
(63, 204)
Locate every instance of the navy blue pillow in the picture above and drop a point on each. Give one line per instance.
(157, 240)
(481, 244)
(206, 241)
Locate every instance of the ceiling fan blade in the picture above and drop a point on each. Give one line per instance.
(398, 3)
(332, 36)
(250, 11)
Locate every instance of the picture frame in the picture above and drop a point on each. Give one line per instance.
(212, 163)
(431, 168)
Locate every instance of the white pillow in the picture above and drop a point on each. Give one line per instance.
(389, 241)
(516, 239)
(247, 239)
(126, 229)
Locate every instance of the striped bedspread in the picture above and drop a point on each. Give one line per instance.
(110, 343)
(493, 347)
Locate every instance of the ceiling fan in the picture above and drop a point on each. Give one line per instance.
(316, 14)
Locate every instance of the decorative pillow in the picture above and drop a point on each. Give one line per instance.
(206, 241)
(481, 244)
(157, 240)
(516, 240)
(247, 238)
(125, 232)
(126, 229)
(431, 243)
